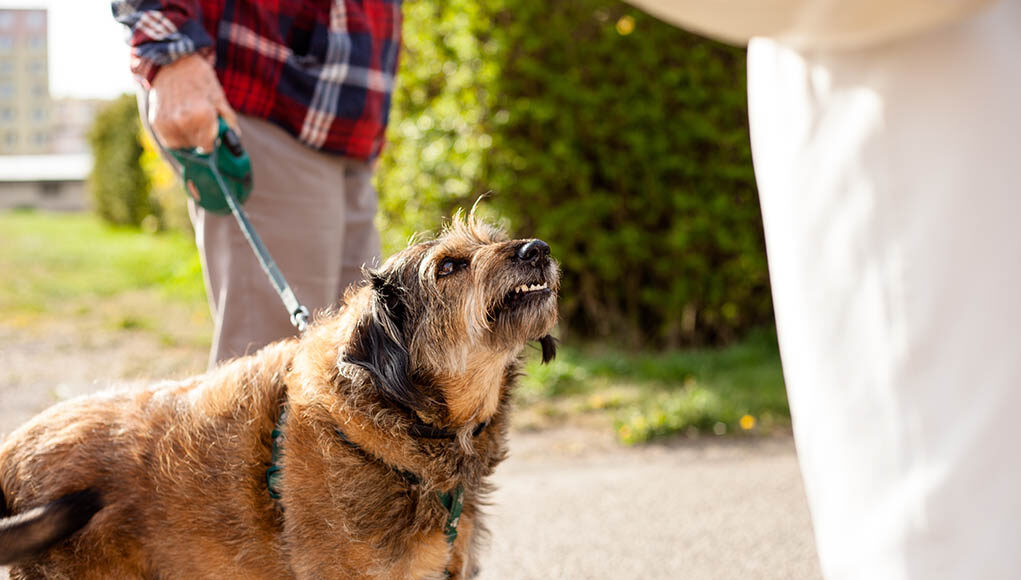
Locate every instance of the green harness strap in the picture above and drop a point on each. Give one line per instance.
(273, 471)
(452, 500)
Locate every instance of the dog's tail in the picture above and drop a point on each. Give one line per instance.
(31, 532)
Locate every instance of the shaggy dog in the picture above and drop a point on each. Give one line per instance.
(374, 434)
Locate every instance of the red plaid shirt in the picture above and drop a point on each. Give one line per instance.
(323, 70)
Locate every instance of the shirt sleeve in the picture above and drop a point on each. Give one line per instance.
(162, 31)
(811, 24)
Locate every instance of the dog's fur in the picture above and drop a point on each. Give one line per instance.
(170, 482)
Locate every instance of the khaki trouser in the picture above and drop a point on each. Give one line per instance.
(313, 211)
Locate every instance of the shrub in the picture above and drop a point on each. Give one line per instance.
(618, 139)
(165, 188)
(118, 184)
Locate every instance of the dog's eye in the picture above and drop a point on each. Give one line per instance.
(449, 266)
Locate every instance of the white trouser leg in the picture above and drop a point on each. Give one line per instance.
(892, 205)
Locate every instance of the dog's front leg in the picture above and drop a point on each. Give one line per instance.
(463, 563)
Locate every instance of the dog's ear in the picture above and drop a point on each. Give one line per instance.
(378, 344)
(549, 348)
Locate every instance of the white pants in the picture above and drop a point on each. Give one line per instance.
(890, 181)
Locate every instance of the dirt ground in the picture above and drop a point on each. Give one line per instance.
(571, 503)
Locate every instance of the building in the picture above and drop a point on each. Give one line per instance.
(48, 182)
(25, 108)
(71, 121)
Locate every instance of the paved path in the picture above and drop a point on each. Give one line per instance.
(717, 509)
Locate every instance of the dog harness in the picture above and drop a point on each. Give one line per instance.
(452, 501)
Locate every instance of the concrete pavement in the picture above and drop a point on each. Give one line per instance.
(712, 509)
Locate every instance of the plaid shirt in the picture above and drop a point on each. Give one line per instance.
(321, 69)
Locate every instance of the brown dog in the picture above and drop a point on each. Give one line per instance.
(378, 429)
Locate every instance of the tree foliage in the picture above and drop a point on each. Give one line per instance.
(618, 139)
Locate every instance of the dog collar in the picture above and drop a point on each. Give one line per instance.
(428, 431)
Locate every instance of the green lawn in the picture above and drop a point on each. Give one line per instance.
(646, 395)
(114, 279)
(74, 266)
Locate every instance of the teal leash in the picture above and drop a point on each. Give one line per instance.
(220, 181)
(299, 314)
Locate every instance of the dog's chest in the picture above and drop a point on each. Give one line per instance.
(429, 557)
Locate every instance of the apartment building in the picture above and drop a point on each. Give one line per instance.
(26, 123)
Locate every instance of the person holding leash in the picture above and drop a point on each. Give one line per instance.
(308, 87)
(885, 140)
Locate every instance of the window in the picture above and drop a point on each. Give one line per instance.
(11, 138)
(6, 90)
(38, 114)
(35, 20)
(6, 19)
(6, 43)
(7, 114)
(36, 42)
(6, 67)
(39, 91)
(36, 66)
(50, 188)
(40, 138)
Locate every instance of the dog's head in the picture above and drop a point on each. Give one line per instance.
(446, 318)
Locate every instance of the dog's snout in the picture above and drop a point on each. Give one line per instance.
(533, 251)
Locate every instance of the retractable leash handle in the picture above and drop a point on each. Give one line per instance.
(220, 181)
(229, 159)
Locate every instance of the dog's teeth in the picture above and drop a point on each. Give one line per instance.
(525, 288)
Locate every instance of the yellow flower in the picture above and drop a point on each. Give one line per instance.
(747, 422)
(626, 25)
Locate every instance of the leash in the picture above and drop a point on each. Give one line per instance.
(220, 181)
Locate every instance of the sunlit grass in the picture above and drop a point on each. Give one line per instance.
(738, 389)
(73, 266)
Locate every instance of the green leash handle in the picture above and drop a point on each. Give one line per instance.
(219, 182)
(229, 159)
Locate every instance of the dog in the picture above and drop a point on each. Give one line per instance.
(361, 450)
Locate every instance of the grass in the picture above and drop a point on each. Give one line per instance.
(73, 267)
(63, 266)
(738, 389)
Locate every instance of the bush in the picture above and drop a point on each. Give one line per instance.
(618, 139)
(165, 188)
(130, 183)
(118, 184)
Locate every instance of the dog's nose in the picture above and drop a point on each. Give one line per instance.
(533, 251)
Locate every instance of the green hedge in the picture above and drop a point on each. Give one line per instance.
(620, 140)
(118, 183)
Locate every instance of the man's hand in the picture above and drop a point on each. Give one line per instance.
(184, 102)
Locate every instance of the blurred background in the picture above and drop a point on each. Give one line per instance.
(620, 140)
